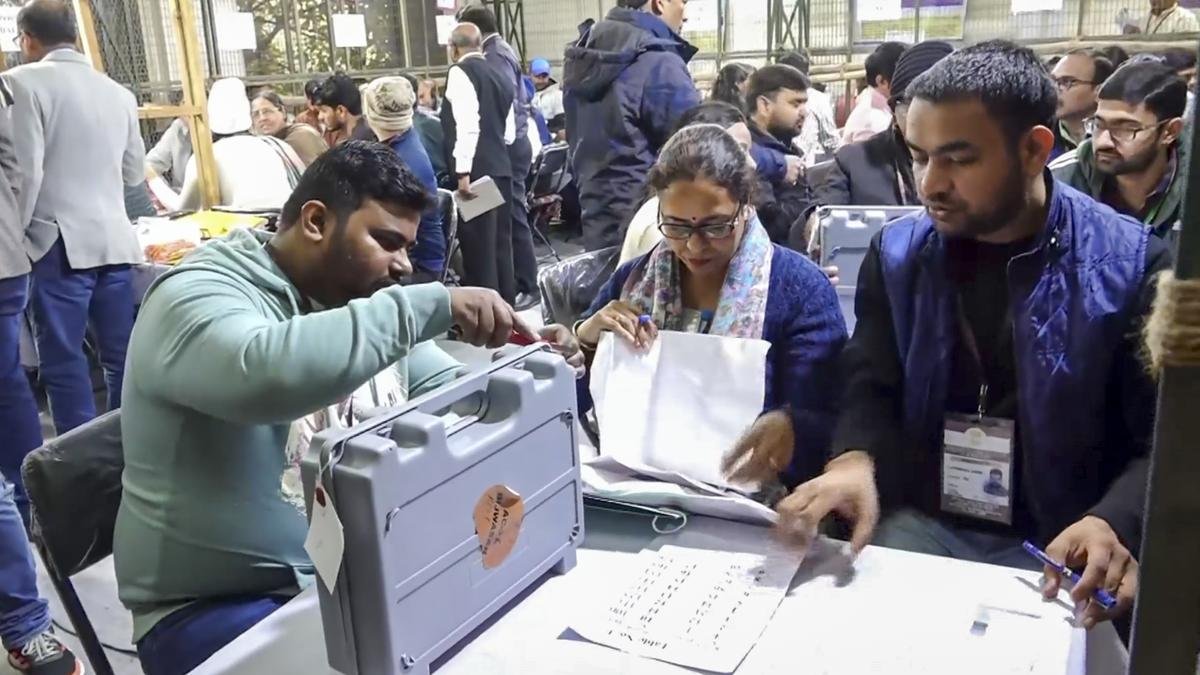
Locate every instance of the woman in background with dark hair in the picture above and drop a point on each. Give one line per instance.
(271, 119)
(717, 272)
(730, 85)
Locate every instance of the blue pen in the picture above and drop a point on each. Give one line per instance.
(644, 320)
(1102, 596)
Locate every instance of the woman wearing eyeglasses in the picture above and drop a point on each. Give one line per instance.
(270, 119)
(716, 271)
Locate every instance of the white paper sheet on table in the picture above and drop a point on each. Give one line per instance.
(693, 607)
(1024, 634)
(681, 405)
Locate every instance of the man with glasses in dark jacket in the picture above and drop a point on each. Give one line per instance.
(626, 83)
(1135, 160)
(1078, 76)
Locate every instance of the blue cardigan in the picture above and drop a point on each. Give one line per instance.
(429, 255)
(805, 328)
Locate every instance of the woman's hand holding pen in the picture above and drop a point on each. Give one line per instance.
(620, 319)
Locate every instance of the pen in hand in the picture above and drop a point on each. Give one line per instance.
(1101, 595)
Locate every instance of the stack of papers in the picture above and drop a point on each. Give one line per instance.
(681, 405)
(610, 478)
(669, 415)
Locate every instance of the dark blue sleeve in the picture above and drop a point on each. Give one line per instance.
(805, 368)
(430, 252)
(668, 93)
(772, 165)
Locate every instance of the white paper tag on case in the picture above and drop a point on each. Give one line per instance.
(325, 542)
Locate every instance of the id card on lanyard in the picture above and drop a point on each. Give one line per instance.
(977, 453)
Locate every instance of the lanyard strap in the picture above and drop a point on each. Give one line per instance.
(972, 345)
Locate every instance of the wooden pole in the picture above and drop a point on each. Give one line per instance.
(90, 42)
(194, 97)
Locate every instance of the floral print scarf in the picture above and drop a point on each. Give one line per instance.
(654, 288)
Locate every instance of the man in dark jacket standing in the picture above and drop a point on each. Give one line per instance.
(478, 121)
(997, 330)
(501, 57)
(878, 171)
(776, 97)
(1135, 160)
(626, 83)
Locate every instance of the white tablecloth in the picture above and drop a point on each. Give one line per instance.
(830, 601)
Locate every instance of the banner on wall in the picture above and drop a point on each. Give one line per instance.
(349, 30)
(8, 29)
(235, 31)
(1026, 6)
(940, 20)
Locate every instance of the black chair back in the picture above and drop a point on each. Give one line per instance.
(569, 287)
(551, 172)
(449, 213)
(74, 488)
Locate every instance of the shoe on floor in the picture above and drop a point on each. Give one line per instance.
(526, 301)
(45, 655)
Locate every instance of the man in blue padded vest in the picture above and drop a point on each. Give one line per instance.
(997, 334)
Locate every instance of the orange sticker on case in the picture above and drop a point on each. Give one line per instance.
(498, 516)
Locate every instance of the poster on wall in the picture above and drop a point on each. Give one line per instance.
(451, 5)
(939, 20)
(349, 30)
(8, 29)
(445, 25)
(235, 31)
(1025, 6)
(879, 10)
(703, 24)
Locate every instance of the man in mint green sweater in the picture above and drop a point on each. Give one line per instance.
(247, 335)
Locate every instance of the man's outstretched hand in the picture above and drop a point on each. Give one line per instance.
(847, 488)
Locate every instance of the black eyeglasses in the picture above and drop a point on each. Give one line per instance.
(1123, 134)
(17, 39)
(1064, 83)
(683, 231)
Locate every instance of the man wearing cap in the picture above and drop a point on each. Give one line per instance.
(77, 139)
(549, 96)
(878, 171)
(625, 85)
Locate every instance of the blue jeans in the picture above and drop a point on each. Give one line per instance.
(23, 614)
(911, 530)
(64, 300)
(185, 639)
(22, 431)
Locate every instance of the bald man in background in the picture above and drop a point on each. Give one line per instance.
(479, 123)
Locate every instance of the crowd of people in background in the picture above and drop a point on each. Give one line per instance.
(1052, 194)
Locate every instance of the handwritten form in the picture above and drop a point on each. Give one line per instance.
(694, 607)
